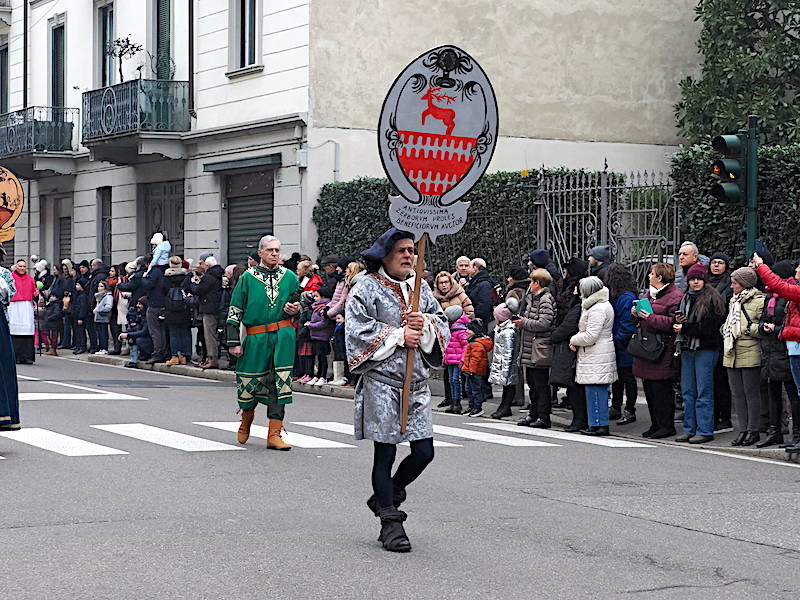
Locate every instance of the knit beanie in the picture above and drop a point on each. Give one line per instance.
(477, 327)
(745, 277)
(784, 269)
(130, 268)
(453, 313)
(157, 239)
(720, 256)
(575, 267)
(501, 313)
(518, 273)
(539, 258)
(697, 271)
(600, 253)
(325, 292)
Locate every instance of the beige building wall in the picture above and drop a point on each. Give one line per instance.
(589, 70)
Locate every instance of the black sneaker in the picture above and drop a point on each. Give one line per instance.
(476, 412)
(627, 418)
(723, 427)
(444, 403)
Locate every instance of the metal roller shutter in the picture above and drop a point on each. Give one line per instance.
(65, 237)
(250, 212)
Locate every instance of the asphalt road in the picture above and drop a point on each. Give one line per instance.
(102, 500)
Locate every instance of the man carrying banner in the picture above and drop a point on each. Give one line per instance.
(264, 301)
(379, 328)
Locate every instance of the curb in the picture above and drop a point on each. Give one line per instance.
(218, 375)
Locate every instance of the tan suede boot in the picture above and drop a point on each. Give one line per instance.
(244, 427)
(274, 439)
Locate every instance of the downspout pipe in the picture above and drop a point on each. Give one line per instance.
(25, 18)
(192, 110)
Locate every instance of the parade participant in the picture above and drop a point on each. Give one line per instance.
(264, 301)
(20, 314)
(379, 329)
(9, 397)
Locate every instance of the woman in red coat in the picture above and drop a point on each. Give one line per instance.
(657, 375)
(791, 325)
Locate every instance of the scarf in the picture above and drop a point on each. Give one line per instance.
(732, 329)
(688, 302)
(600, 295)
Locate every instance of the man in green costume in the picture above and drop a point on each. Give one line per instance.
(264, 301)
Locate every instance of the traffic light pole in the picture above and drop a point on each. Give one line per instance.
(751, 207)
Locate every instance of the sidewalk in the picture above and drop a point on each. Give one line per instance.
(559, 417)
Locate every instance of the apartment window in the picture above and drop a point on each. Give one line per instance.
(4, 79)
(105, 29)
(244, 42)
(163, 28)
(104, 200)
(57, 65)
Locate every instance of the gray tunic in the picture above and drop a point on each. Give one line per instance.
(374, 312)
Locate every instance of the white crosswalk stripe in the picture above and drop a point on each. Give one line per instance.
(564, 436)
(290, 437)
(482, 436)
(348, 429)
(59, 443)
(165, 437)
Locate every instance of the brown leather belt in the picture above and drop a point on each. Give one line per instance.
(269, 328)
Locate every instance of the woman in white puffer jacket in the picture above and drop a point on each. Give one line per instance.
(597, 361)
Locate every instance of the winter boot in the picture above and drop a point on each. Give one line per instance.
(338, 373)
(455, 408)
(399, 498)
(504, 408)
(393, 536)
(244, 427)
(274, 439)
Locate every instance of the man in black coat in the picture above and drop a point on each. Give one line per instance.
(153, 288)
(135, 283)
(599, 260)
(81, 314)
(206, 284)
(479, 289)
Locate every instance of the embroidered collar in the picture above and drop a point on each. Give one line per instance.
(271, 278)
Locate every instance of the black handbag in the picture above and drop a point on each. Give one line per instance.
(646, 345)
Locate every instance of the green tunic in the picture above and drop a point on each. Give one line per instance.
(264, 371)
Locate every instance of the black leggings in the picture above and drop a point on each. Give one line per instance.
(410, 468)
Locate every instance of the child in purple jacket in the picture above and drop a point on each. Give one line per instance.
(321, 328)
(454, 354)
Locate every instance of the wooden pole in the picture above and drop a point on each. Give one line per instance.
(410, 351)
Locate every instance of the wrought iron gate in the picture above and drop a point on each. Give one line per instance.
(632, 213)
(163, 211)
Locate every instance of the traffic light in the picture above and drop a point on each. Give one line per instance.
(730, 171)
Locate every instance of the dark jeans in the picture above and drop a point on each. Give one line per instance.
(661, 404)
(776, 403)
(576, 395)
(474, 390)
(626, 383)
(69, 326)
(322, 365)
(180, 340)
(539, 392)
(410, 468)
(101, 335)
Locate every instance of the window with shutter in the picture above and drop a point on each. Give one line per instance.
(57, 66)
(104, 196)
(105, 18)
(163, 39)
(4, 79)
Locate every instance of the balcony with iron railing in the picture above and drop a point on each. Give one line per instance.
(38, 138)
(122, 122)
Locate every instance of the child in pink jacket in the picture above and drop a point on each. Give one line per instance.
(454, 354)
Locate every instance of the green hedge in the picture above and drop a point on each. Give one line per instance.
(501, 227)
(716, 226)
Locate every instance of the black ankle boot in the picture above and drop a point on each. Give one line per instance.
(455, 408)
(393, 535)
(444, 403)
(751, 439)
(739, 439)
(399, 498)
(773, 438)
(527, 421)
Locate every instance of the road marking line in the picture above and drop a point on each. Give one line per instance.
(59, 443)
(348, 429)
(482, 436)
(769, 461)
(165, 437)
(290, 437)
(96, 394)
(563, 435)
